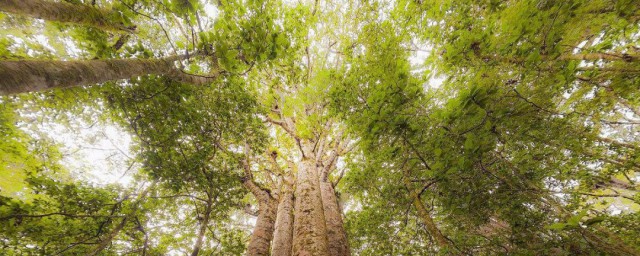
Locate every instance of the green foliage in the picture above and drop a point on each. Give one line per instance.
(526, 148)
(502, 130)
(60, 214)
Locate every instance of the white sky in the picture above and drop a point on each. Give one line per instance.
(98, 153)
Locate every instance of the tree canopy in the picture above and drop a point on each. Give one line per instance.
(250, 127)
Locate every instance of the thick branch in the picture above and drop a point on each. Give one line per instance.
(66, 13)
(69, 215)
(38, 75)
(601, 56)
(261, 194)
(284, 126)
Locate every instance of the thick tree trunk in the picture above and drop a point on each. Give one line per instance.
(338, 245)
(309, 231)
(203, 229)
(36, 75)
(283, 236)
(65, 12)
(263, 232)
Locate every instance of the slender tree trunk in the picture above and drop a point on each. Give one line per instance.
(203, 228)
(432, 228)
(263, 232)
(107, 240)
(606, 242)
(283, 235)
(338, 244)
(66, 13)
(37, 75)
(626, 57)
(614, 246)
(424, 215)
(601, 56)
(309, 231)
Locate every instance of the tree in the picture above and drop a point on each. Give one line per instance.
(32, 75)
(491, 54)
(331, 128)
(68, 13)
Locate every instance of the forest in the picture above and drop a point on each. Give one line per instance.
(320, 127)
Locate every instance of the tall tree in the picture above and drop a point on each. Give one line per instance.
(499, 120)
(66, 12)
(332, 128)
(37, 75)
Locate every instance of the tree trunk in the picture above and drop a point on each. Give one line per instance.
(203, 228)
(606, 242)
(106, 241)
(263, 232)
(66, 13)
(601, 56)
(283, 236)
(338, 245)
(615, 245)
(310, 236)
(37, 75)
(424, 215)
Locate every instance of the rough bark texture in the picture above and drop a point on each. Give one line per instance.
(35, 75)
(309, 231)
(263, 232)
(336, 236)
(338, 245)
(283, 236)
(180, 76)
(65, 12)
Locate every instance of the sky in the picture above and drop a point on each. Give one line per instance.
(99, 152)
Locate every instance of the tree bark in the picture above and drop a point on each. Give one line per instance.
(283, 235)
(310, 236)
(203, 228)
(336, 236)
(606, 242)
(38, 75)
(626, 57)
(424, 215)
(66, 13)
(601, 56)
(615, 245)
(106, 241)
(263, 232)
